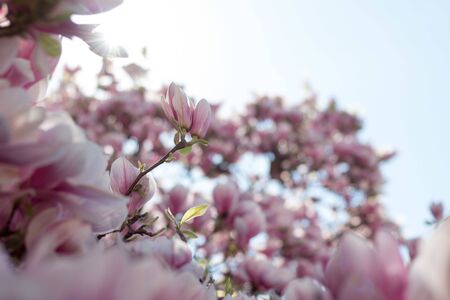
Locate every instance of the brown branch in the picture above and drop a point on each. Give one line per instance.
(162, 160)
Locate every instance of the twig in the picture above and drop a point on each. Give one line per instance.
(100, 236)
(162, 160)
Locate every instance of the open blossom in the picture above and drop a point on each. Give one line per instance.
(181, 111)
(225, 197)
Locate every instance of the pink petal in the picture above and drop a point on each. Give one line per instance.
(182, 108)
(393, 279)
(19, 73)
(306, 289)
(429, 275)
(103, 210)
(123, 173)
(202, 118)
(354, 256)
(9, 48)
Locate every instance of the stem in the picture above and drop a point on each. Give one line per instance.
(162, 160)
(100, 236)
(141, 231)
(181, 235)
(5, 230)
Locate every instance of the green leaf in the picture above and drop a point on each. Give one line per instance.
(193, 213)
(51, 45)
(190, 234)
(186, 150)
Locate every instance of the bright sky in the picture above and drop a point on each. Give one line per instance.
(389, 60)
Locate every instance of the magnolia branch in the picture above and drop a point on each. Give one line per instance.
(141, 231)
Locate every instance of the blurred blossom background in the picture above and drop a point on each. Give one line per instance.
(386, 60)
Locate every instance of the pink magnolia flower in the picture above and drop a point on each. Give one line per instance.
(360, 270)
(181, 111)
(306, 289)
(123, 173)
(429, 276)
(177, 199)
(178, 108)
(225, 197)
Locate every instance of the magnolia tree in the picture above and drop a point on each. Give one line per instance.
(129, 193)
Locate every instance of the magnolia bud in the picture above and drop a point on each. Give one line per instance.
(177, 107)
(437, 210)
(123, 174)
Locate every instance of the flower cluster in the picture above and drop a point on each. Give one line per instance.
(80, 201)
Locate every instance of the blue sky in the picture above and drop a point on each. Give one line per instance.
(388, 60)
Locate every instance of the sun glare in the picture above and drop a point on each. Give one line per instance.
(124, 26)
